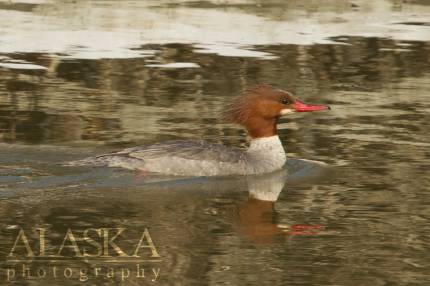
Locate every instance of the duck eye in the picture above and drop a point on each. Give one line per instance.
(285, 101)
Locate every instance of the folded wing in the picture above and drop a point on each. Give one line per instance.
(192, 150)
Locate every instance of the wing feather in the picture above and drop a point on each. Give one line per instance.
(193, 150)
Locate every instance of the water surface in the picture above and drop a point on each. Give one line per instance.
(139, 72)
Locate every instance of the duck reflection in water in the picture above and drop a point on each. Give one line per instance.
(257, 218)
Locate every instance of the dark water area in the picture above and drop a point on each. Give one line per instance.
(362, 220)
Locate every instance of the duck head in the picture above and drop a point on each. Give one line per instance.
(258, 109)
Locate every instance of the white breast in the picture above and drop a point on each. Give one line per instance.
(265, 155)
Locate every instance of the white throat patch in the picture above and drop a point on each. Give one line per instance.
(286, 111)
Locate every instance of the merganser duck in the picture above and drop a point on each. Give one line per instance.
(257, 110)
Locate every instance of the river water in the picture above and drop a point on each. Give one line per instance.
(81, 78)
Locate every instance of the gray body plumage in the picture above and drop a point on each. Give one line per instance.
(197, 158)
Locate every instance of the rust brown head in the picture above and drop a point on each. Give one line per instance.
(258, 109)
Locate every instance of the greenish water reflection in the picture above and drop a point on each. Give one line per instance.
(366, 222)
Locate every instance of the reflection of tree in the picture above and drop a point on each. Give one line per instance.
(154, 102)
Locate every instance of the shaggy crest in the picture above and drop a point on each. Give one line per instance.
(240, 109)
(243, 107)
